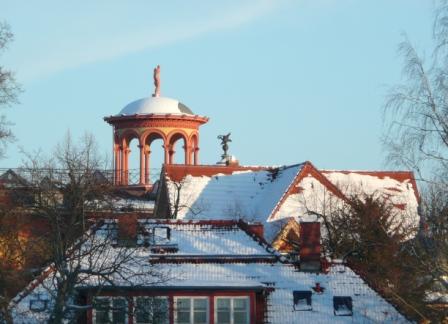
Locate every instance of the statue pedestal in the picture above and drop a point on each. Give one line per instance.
(222, 162)
(228, 160)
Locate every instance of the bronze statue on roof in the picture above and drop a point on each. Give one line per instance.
(224, 140)
(156, 81)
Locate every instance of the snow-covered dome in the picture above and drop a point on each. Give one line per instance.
(156, 105)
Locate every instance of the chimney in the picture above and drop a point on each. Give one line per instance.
(310, 246)
(127, 229)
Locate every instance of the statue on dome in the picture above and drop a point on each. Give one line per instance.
(224, 140)
(157, 81)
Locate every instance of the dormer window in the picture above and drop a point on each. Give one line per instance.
(162, 234)
(302, 300)
(343, 305)
(39, 304)
(162, 240)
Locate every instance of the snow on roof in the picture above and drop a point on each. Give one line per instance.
(279, 280)
(132, 203)
(399, 188)
(269, 197)
(251, 195)
(200, 238)
(155, 105)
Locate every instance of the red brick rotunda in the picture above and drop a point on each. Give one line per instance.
(149, 119)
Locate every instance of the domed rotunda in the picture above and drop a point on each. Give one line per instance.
(149, 119)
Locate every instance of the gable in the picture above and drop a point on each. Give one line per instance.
(390, 182)
(399, 188)
(286, 240)
(310, 191)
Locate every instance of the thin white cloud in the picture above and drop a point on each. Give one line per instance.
(87, 43)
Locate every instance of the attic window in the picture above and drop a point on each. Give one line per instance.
(343, 306)
(160, 240)
(39, 304)
(161, 233)
(302, 300)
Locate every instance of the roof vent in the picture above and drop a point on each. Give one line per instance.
(318, 288)
(342, 306)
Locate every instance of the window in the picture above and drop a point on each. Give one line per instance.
(191, 310)
(150, 310)
(302, 300)
(232, 310)
(38, 304)
(162, 234)
(342, 306)
(110, 310)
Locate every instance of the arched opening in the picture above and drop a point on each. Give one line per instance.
(194, 151)
(129, 152)
(154, 156)
(133, 161)
(178, 149)
(117, 160)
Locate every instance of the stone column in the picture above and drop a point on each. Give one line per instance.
(125, 166)
(187, 149)
(196, 155)
(167, 154)
(117, 165)
(147, 156)
(171, 154)
(142, 164)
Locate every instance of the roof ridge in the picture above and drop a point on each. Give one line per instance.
(282, 197)
(366, 171)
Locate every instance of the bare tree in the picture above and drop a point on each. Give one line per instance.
(82, 251)
(9, 88)
(416, 112)
(430, 251)
(181, 200)
(372, 236)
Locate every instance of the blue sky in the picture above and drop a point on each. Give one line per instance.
(292, 80)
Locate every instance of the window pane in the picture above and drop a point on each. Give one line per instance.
(223, 317)
(239, 317)
(142, 310)
(119, 311)
(240, 304)
(160, 310)
(183, 310)
(101, 308)
(183, 317)
(224, 304)
(200, 317)
(151, 310)
(183, 303)
(200, 304)
(101, 317)
(200, 310)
